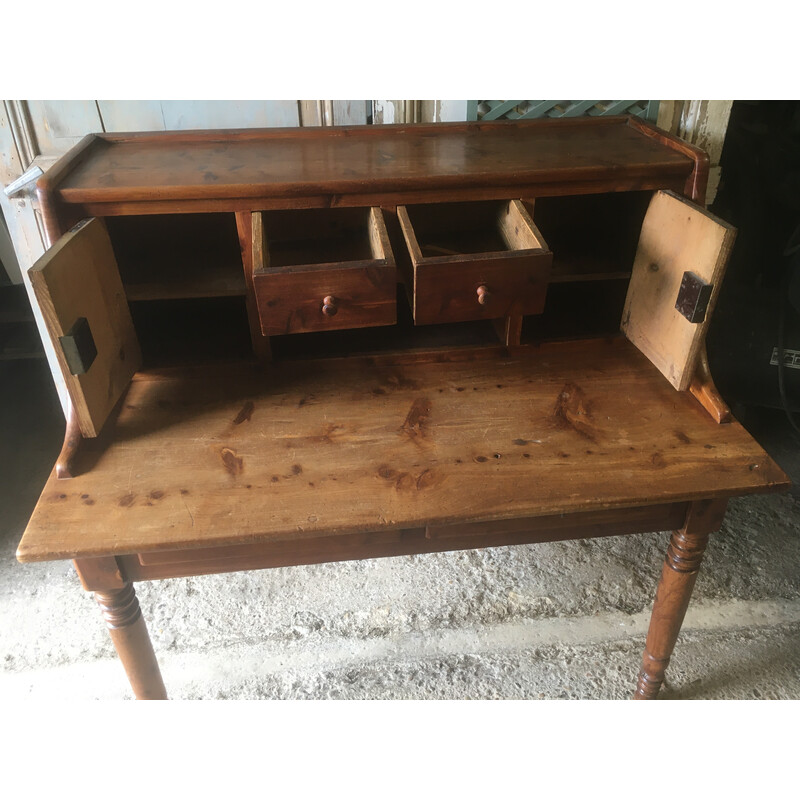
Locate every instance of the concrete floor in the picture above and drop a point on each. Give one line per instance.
(561, 620)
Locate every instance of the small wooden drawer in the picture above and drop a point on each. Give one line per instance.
(474, 261)
(323, 269)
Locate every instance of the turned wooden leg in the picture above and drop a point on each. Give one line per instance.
(678, 576)
(129, 633)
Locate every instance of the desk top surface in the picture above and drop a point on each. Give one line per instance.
(245, 453)
(303, 162)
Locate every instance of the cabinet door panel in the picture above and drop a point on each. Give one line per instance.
(80, 293)
(677, 237)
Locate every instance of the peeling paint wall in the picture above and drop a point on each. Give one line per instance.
(702, 123)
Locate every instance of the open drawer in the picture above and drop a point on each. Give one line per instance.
(323, 269)
(474, 261)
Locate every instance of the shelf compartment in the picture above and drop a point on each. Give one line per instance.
(191, 330)
(593, 237)
(322, 270)
(178, 256)
(473, 261)
(578, 310)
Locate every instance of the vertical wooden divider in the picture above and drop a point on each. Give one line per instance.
(244, 227)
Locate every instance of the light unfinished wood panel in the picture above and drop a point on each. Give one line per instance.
(677, 236)
(298, 450)
(78, 277)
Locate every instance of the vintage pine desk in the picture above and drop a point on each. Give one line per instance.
(234, 315)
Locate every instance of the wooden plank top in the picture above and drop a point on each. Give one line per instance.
(246, 453)
(369, 159)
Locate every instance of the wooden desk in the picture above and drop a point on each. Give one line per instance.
(387, 446)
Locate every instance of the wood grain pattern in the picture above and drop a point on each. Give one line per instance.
(387, 543)
(681, 565)
(131, 640)
(291, 296)
(72, 441)
(697, 182)
(57, 221)
(544, 188)
(244, 229)
(290, 162)
(204, 458)
(104, 573)
(78, 277)
(676, 236)
(705, 390)
(474, 261)
(509, 328)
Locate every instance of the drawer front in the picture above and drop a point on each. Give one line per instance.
(323, 270)
(475, 261)
(480, 289)
(325, 297)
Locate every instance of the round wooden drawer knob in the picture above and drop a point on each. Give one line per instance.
(329, 306)
(483, 295)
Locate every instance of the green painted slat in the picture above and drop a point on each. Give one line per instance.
(578, 109)
(619, 107)
(535, 109)
(501, 109)
(539, 109)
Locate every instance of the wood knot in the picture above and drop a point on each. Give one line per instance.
(232, 463)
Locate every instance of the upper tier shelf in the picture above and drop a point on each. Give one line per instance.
(110, 174)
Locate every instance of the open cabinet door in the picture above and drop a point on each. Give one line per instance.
(80, 293)
(681, 259)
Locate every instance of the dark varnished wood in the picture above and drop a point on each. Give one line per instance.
(57, 218)
(509, 328)
(697, 181)
(244, 229)
(131, 640)
(111, 173)
(357, 274)
(376, 158)
(474, 261)
(705, 390)
(103, 573)
(378, 544)
(684, 555)
(72, 440)
(206, 470)
(610, 183)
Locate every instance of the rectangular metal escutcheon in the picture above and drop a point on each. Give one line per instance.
(693, 297)
(79, 347)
